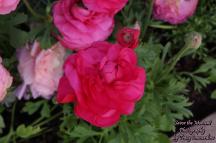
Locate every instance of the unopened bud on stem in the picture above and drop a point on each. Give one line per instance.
(193, 40)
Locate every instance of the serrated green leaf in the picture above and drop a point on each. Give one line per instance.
(32, 107)
(26, 131)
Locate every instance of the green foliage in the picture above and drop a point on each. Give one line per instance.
(2, 124)
(9, 27)
(23, 131)
(32, 107)
(213, 95)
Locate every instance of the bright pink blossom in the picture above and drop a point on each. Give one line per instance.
(5, 81)
(129, 37)
(174, 11)
(40, 69)
(103, 81)
(7, 6)
(80, 27)
(109, 6)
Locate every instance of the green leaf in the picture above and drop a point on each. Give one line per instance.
(165, 123)
(212, 76)
(81, 131)
(163, 138)
(17, 37)
(32, 107)
(2, 124)
(45, 111)
(25, 132)
(116, 139)
(213, 95)
(19, 18)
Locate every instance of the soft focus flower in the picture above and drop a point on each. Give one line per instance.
(40, 69)
(174, 11)
(7, 6)
(103, 81)
(5, 81)
(81, 27)
(109, 6)
(129, 37)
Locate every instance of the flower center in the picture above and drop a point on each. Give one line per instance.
(127, 37)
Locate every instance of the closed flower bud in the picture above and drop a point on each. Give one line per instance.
(193, 40)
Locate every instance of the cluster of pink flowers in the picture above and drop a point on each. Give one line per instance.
(102, 79)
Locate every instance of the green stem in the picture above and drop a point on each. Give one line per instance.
(33, 136)
(41, 118)
(178, 57)
(146, 24)
(10, 135)
(31, 10)
(12, 116)
(50, 119)
(162, 26)
(101, 138)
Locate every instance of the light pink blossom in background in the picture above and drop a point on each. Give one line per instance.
(7, 6)
(40, 69)
(174, 11)
(5, 81)
(80, 27)
(109, 6)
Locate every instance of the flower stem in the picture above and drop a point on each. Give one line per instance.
(12, 116)
(146, 24)
(162, 26)
(31, 10)
(50, 119)
(178, 57)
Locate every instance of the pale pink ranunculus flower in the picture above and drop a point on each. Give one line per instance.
(5, 81)
(40, 69)
(80, 27)
(7, 6)
(174, 11)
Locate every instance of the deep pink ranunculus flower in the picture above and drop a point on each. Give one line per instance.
(109, 6)
(104, 82)
(5, 81)
(174, 11)
(80, 27)
(129, 37)
(40, 70)
(7, 6)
